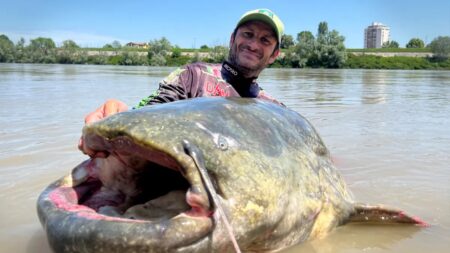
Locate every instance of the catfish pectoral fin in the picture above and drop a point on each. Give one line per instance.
(383, 215)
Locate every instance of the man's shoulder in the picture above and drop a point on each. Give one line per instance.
(196, 68)
(203, 65)
(205, 68)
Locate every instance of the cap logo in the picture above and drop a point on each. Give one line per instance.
(267, 13)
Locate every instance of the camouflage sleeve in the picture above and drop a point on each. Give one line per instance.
(171, 88)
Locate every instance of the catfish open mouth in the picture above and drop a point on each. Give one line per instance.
(139, 183)
(138, 197)
(146, 195)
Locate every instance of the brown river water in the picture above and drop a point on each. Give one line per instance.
(388, 130)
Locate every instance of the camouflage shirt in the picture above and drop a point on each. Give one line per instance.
(205, 80)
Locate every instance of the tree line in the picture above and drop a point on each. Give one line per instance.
(325, 49)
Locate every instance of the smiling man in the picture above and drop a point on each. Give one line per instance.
(254, 44)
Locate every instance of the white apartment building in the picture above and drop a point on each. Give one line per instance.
(376, 35)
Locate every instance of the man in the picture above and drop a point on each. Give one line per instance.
(254, 44)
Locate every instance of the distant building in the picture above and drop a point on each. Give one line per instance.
(137, 44)
(376, 35)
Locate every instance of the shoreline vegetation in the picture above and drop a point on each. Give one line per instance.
(325, 50)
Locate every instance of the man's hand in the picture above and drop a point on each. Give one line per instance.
(110, 107)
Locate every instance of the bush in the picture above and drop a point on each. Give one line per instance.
(6, 49)
(441, 47)
(178, 61)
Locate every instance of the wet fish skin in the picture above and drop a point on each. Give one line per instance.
(272, 172)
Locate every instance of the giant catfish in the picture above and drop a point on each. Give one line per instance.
(270, 171)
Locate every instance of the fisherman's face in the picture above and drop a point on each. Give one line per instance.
(253, 48)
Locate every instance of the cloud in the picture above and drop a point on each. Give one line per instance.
(58, 36)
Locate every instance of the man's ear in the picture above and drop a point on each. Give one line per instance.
(274, 55)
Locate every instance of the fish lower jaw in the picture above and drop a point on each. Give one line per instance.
(160, 222)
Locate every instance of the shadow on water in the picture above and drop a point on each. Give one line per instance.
(348, 238)
(358, 238)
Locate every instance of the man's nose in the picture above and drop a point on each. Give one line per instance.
(253, 43)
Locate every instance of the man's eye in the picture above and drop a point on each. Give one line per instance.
(248, 34)
(265, 41)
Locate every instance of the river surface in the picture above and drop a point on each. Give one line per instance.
(388, 130)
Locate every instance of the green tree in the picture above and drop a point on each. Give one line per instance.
(43, 44)
(6, 49)
(440, 47)
(415, 43)
(327, 50)
(116, 44)
(218, 54)
(157, 51)
(69, 53)
(305, 36)
(108, 46)
(304, 49)
(330, 50)
(391, 44)
(42, 50)
(131, 58)
(286, 41)
(176, 52)
(323, 29)
(291, 58)
(69, 45)
(157, 60)
(21, 52)
(204, 47)
(101, 58)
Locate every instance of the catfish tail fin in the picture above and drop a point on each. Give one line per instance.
(382, 215)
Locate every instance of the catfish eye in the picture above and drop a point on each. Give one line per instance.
(222, 143)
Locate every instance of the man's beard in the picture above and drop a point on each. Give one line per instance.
(247, 72)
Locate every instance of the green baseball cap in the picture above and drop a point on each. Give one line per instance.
(267, 16)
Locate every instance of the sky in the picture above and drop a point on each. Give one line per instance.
(191, 24)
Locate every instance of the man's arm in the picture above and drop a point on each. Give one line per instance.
(172, 88)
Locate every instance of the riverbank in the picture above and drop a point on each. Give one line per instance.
(398, 61)
(356, 58)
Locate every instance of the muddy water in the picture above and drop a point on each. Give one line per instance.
(387, 130)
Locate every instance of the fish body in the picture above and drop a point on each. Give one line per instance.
(270, 171)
